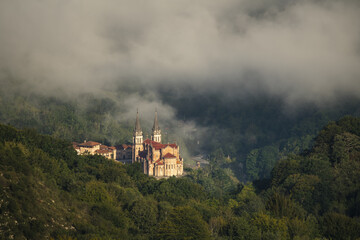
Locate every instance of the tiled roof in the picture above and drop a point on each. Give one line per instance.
(89, 144)
(169, 155)
(158, 145)
(148, 141)
(173, 145)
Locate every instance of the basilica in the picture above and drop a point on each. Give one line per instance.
(157, 159)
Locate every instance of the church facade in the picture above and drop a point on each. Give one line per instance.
(157, 159)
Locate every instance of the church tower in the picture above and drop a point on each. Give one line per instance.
(156, 132)
(137, 140)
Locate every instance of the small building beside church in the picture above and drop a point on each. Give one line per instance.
(95, 148)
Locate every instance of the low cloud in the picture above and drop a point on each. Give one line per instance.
(298, 50)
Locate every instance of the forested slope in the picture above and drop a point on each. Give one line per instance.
(255, 131)
(49, 191)
(325, 181)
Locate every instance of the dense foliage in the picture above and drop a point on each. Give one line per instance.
(47, 191)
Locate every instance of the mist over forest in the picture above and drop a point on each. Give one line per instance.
(246, 85)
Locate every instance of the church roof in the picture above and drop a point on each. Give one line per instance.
(149, 141)
(169, 155)
(158, 145)
(173, 145)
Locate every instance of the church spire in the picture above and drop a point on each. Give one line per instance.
(156, 132)
(137, 139)
(156, 124)
(137, 123)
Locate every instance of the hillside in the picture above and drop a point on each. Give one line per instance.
(49, 191)
(255, 133)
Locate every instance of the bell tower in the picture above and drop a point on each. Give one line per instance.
(137, 140)
(156, 132)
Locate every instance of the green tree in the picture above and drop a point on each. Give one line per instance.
(183, 223)
(240, 228)
(144, 214)
(338, 226)
(252, 164)
(247, 201)
(271, 228)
